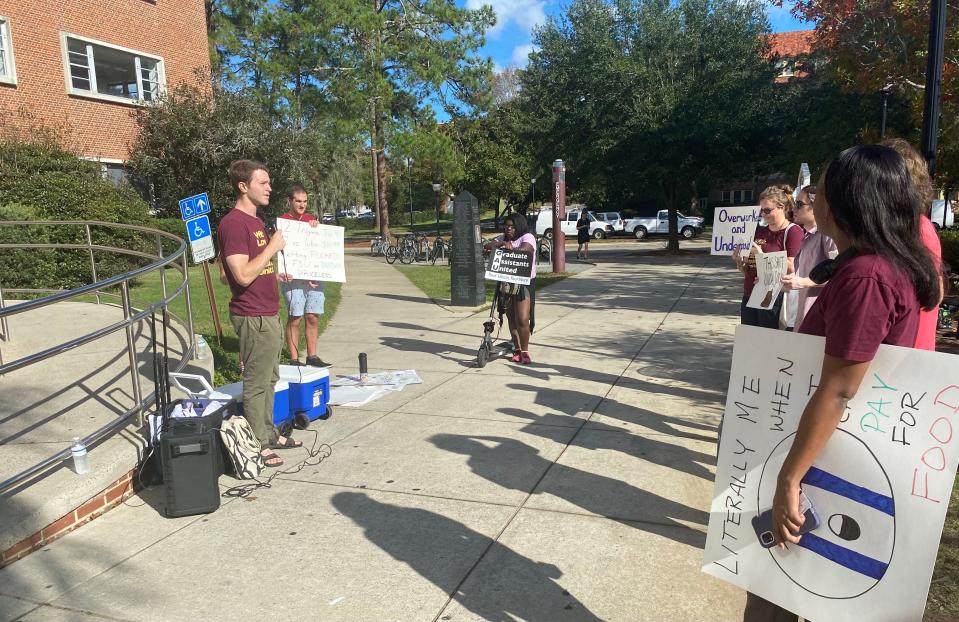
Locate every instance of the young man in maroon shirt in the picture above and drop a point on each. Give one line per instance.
(246, 265)
(303, 298)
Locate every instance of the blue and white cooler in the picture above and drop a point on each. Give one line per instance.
(309, 392)
(282, 413)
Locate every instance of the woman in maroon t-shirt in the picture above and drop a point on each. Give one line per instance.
(882, 277)
(778, 235)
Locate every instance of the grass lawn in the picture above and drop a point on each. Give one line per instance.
(435, 281)
(943, 601)
(224, 354)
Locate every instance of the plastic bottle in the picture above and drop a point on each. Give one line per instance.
(81, 461)
(202, 349)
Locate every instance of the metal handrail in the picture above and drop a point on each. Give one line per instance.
(132, 317)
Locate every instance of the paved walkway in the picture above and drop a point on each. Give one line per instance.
(576, 488)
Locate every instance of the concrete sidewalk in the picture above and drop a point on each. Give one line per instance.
(575, 488)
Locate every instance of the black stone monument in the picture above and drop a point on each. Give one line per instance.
(468, 287)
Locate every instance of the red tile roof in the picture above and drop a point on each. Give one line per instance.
(790, 44)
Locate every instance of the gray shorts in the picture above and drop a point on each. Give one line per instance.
(301, 298)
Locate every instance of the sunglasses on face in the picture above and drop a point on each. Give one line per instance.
(767, 210)
(803, 204)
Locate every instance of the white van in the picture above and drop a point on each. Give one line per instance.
(598, 229)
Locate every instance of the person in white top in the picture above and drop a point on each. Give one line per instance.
(816, 248)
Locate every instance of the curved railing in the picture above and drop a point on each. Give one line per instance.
(132, 315)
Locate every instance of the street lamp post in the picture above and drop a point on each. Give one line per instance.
(532, 192)
(436, 192)
(409, 163)
(884, 94)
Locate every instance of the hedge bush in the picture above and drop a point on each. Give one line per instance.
(950, 248)
(42, 181)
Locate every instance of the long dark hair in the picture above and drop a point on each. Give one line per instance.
(875, 203)
(520, 226)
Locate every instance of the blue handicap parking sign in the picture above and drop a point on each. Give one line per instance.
(194, 206)
(198, 228)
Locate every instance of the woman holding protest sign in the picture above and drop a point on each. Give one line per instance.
(517, 301)
(876, 286)
(778, 234)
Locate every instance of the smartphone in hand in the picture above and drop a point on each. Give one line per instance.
(763, 523)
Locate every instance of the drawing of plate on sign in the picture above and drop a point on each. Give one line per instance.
(852, 495)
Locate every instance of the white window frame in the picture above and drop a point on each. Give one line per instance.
(92, 93)
(6, 38)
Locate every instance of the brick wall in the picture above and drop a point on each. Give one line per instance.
(110, 497)
(172, 29)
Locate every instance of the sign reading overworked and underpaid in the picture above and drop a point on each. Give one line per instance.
(734, 228)
(312, 253)
(881, 486)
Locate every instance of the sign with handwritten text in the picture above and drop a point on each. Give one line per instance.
(734, 227)
(770, 270)
(312, 253)
(880, 487)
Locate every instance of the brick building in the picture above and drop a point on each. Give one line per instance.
(85, 65)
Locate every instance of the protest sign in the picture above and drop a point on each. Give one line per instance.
(312, 253)
(804, 179)
(880, 487)
(509, 266)
(734, 227)
(770, 270)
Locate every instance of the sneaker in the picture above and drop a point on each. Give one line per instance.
(526, 360)
(516, 358)
(315, 361)
(296, 362)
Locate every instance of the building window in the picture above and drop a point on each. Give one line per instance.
(8, 71)
(786, 68)
(724, 196)
(109, 72)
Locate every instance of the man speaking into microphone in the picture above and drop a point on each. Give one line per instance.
(246, 263)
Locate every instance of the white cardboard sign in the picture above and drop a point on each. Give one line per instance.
(312, 253)
(734, 227)
(770, 270)
(881, 486)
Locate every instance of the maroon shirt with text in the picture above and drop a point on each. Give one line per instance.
(866, 303)
(242, 234)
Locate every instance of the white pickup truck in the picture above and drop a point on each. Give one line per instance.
(642, 227)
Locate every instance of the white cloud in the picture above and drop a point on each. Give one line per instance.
(525, 13)
(521, 53)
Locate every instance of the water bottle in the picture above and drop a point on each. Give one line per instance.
(81, 461)
(202, 349)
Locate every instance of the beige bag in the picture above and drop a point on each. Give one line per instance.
(242, 446)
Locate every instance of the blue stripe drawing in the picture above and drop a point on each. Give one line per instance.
(838, 486)
(847, 558)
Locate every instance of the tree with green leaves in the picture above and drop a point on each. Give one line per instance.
(395, 59)
(188, 139)
(644, 96)
(875, 45)
(497, 160)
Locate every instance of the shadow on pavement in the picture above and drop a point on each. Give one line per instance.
(433, 546)
(491, 456)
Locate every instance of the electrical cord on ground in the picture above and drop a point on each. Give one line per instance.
(316, 455)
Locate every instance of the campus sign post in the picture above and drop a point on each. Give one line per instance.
(195, 213)
(559, 215)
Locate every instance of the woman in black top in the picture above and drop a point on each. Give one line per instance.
(582, 235)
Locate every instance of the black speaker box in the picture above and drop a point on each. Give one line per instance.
(191, 467)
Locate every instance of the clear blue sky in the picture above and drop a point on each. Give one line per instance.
(510, 40)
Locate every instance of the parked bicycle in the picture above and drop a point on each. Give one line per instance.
(378, 246)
